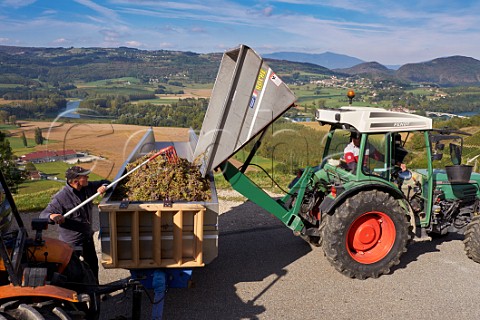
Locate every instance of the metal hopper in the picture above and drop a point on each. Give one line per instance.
(246, 98)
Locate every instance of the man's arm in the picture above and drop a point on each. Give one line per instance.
(53, 212)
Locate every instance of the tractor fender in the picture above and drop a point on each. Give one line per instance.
(10, 291)
(54, 250)
(329, 204)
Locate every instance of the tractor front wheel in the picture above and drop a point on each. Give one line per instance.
(366, 235)
(472, 239)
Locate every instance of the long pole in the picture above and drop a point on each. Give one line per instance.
(114, 182)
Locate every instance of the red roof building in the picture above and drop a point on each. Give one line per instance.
(49, 156)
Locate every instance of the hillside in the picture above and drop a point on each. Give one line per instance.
(371, 69)
(90, 64)
(27, 66)
(22, 65)
(449, 71)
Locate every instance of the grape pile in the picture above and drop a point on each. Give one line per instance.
(159, 180)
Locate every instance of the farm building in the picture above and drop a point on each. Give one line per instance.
(49, 156)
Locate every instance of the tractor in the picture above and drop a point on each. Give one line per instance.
(362, 215)
(365, 215)
(44, 278)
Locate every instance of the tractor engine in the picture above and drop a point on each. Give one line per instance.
(309, 210)
(451, 215)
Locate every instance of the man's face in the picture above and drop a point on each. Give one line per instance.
(84, 180)
(80, 181)
(356, 141)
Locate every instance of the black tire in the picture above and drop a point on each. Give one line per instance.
(366, 235)
(46, 310)
(472, 239)
(79, 273)
(314, 241)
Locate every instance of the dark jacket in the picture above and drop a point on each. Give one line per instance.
(77, 226)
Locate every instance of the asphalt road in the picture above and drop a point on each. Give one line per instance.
(264, 272)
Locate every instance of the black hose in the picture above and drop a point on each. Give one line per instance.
(268, 175)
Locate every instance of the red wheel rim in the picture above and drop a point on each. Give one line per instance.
(371, 237)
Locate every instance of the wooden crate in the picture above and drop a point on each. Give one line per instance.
(150, 235)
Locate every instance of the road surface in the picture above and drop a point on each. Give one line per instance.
(264, 272)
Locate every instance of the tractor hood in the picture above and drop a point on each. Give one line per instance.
(246, 98)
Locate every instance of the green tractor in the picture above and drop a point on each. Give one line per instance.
(360, 204)
(364, 215)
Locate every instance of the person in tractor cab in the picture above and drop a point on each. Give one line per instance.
(399, 154)
(76, 229)
(352, 152)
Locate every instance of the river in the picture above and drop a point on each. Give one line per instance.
(70, 110)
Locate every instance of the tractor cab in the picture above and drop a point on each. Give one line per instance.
(370, 147)
(367, 147)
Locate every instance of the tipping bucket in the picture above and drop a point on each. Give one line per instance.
(459, 173)
(246, 98)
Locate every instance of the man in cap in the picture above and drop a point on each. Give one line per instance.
(76, 229)
(352, 151)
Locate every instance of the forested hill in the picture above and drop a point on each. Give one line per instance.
(449, 71)
(90, 64)
(69, 65)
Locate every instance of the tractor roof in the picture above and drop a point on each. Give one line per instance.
(368, 120)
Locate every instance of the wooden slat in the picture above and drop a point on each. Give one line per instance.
(135, 234)
(113, 238)
(178, 236)
(198, 236)
(151, 207)
(148, 264)
(157, 237)
(180, 215)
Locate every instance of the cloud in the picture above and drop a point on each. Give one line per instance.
(385, 31)
(49, 12)
(16, 3)
(268, 11)
(60, 41)
(104, 11)
(134, 44)
(198, 30)
(4, 40)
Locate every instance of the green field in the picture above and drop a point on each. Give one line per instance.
(34, 195)
(36, 201)
(18, 148)
(4, 127)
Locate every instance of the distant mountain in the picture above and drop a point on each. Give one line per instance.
(21, 64)
(369, 69)
(328, 60)
(449, 71)
(28, 66)
(289, 67)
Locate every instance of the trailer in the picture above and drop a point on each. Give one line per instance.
(159, 241)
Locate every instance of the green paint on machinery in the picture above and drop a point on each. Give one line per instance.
(360, 204)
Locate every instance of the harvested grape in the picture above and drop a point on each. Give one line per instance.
(159, 180)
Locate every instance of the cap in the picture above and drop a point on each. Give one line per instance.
(76, 171)
(355, 135)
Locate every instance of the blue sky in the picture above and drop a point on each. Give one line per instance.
(389, 32)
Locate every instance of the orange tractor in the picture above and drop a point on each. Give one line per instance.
(43, 278)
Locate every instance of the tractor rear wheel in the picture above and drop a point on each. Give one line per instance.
(366, 235)
(472, 239)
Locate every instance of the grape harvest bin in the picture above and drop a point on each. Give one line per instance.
(146, 235)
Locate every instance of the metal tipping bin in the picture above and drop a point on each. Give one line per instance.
(246, 98)
(152, 235)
